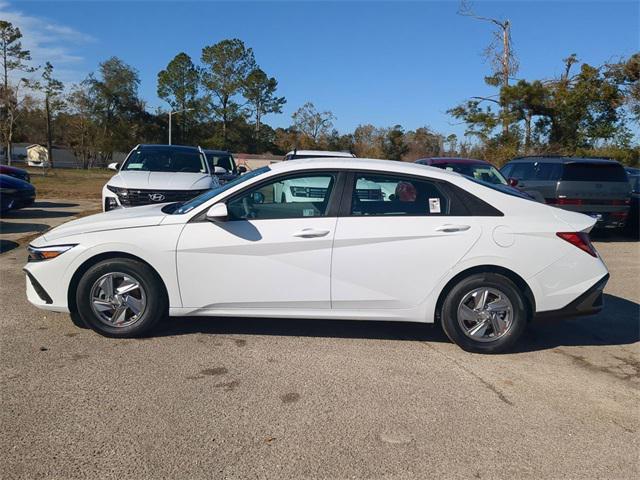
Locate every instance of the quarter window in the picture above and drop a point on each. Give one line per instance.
(390, 195)
(290, 197)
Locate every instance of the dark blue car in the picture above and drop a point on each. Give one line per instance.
(15, 193)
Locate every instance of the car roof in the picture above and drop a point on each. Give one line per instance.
(561, 159)
(321, 153)
(153, 146)
(439, 160)
(390, 166)
(221, 152)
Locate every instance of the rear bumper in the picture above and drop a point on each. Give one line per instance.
(589, 303)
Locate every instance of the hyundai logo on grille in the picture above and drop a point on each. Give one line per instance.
(156, 197)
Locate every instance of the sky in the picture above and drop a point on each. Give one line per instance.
(377, 62)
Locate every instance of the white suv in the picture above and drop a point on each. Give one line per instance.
(158, 174)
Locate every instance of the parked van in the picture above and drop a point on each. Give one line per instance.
(598, 187)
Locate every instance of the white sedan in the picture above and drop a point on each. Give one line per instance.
(442, 248)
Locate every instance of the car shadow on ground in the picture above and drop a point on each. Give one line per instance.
(54, 204)
(6, 245)
(36, 213)
(617, 324)
(15, 227)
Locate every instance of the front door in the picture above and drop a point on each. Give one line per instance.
(273, 252)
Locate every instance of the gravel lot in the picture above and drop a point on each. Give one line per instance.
(239, 398)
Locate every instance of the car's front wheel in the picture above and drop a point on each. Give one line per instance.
(484, 313)
(121, 297)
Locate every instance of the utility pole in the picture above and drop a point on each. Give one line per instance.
(171, 114)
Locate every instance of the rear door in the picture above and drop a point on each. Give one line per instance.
(537, 176)
(390, 252)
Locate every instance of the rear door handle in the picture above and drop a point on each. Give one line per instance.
(311, 233)
(453, 228)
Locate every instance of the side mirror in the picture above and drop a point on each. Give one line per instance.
(513, 182)
(242, 169)
(114, 166)
(219, 170)
(218, 213)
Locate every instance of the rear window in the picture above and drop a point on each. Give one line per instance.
(594, 172)
(533, 171)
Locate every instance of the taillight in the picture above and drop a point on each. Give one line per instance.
(570, 201)
(580, 240)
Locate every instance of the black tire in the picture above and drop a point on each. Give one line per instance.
(157, 304)
(455, 331)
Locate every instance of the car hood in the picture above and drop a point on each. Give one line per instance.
(145, 216)
(7, 181)
(161, 180)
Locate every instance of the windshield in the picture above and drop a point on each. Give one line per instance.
(166, 160)
(478, 171)
(221, 160)
(209, 194)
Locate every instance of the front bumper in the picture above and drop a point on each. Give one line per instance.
(589, 303)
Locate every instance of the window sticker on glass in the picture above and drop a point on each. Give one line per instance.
(308, 212)
(434, 205)
(134, 166)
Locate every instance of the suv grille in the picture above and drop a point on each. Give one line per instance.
(369, 194)
(135, 198)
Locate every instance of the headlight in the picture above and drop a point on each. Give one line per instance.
(118, 191)
(38, 254)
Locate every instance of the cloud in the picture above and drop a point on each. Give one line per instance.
(49, 42)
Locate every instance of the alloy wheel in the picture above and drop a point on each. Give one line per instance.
(485, 314)
(118, 299)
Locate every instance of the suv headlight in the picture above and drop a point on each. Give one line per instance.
(121, 192)
(38, 254)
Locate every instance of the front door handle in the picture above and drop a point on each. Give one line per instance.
(311, 233)
(453, 228)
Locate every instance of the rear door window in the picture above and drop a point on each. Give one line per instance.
(594, 172)
(376, 194)
(547, 171)
(523, 171)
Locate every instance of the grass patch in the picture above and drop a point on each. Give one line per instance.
(70, 184)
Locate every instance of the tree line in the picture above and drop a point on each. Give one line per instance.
(221, 102)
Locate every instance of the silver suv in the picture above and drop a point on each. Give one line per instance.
(598, 187)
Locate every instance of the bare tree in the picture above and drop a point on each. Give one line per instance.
(13, 58)
(311, 123)
(499, 52)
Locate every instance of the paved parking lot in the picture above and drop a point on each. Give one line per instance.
(241, 398)
(18, 226)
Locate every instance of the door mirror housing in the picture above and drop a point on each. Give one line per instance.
(513, 182)
(218, 213)
(219, 170)
(114, 166)
(242, 169)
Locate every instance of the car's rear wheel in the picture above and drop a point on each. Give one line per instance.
(121, 297)
(484, 313)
